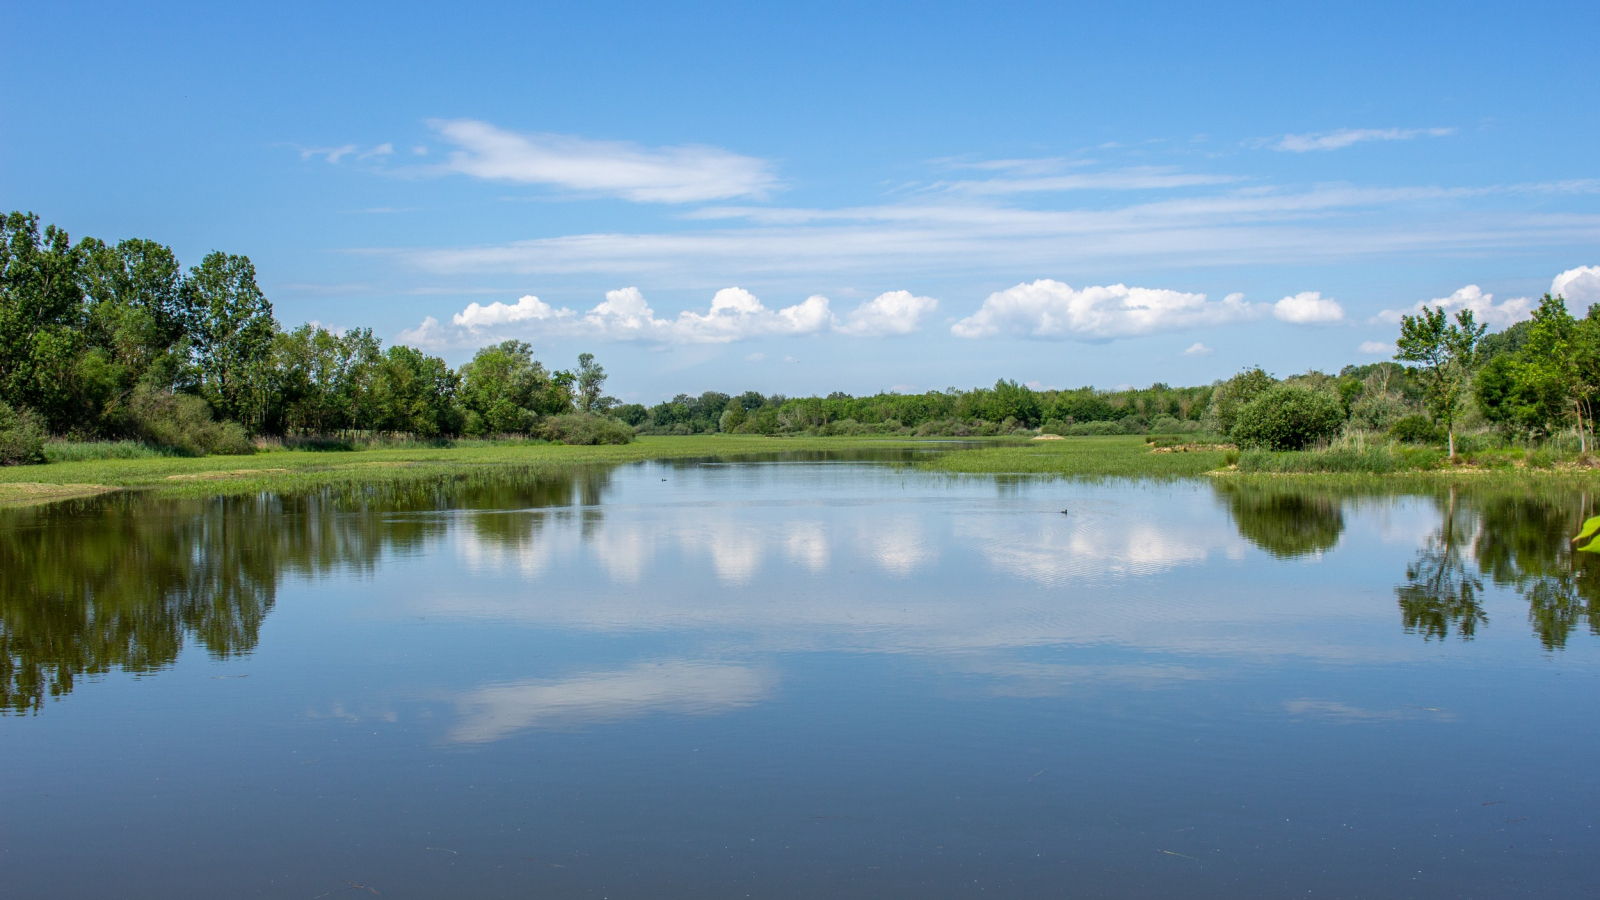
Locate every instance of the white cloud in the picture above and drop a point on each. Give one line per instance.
(1050, 309)
(648, 175)
(1376, 348)
(380, 150)
(331, 154)
(1581, 287)
(1308, 308)
(893, 313)
(1133, 179)
(755, 357)
(1484, 309)
(1240, 227)
(1344, 137)
(735, 314)
(526, 309)
(1198, 349)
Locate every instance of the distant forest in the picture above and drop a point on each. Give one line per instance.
(121, 342)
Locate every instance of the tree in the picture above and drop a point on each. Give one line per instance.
(1445, 354)
(231, 327)
(1558, 365)
(1288, 417)
(505, 390)
(591, 379)
(41, 318)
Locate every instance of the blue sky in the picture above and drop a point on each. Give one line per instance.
(835, 197)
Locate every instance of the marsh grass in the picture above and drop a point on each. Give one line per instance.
(1108, 456)
(293, 471)
(79, 451)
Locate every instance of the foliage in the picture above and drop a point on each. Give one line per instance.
(585, 428)
(1230, 396)
(1415, 429)
(183, 423)
(1445, 354)
(21, 437)
(1287, 417)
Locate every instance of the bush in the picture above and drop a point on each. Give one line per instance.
(21, 437)
(578, 428)
(1415, 430)
(1287, 417)
(183, 423)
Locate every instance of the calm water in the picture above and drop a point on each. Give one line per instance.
(799, 679)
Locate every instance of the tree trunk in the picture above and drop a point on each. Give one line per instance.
(1450, 435)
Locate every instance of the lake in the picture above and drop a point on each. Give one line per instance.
(810, 677)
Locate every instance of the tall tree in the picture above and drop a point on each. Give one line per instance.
(1559, 363)
(41, 318)
(232, 328)
(591, 382)
(1444, 352)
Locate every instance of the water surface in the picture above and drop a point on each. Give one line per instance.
(799, 679)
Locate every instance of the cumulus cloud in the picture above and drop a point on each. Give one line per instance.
(681, 174)
(526, 309)
(1198, 349)
(1308, 308)
(1484, 309)
(1050, 309)
(893, 313)
(1376, 348)
(1344, 137)
(735, 314)
(1581, 287)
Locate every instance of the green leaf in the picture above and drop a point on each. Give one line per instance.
(1591, 547)
(1590, 527)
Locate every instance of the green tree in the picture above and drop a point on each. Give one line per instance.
(591, 382)
(414, 393)
(41, 319)
(505, 390)
(1288, 417)
(1558, 366)
(1444, 354)
(232, 330)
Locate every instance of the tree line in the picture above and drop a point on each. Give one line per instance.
(103, 341)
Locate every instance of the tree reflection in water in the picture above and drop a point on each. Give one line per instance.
(1284, 522)
(122, 582)
(1440, 593)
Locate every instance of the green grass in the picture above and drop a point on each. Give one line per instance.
(295, 470)
(1129, 456)
(1121, 456)
(78, 451)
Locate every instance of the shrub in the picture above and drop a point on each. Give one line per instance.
(579, 428)
(1287, 417)
(183, 423)
(1415, 429)
(21, 437)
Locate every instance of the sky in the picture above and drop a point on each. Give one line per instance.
(805, 198)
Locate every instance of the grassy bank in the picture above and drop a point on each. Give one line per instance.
(294, 470)
(1095, 457)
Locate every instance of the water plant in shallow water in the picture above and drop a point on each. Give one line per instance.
(1591, 529)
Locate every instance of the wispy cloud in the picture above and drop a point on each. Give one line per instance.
(1345, 137)
(1249, 226)
(735, 314)
(1141, 178)
(682, 174)
(1198, 349)
(331, 154)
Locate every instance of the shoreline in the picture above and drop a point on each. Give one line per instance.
(1074, 457)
